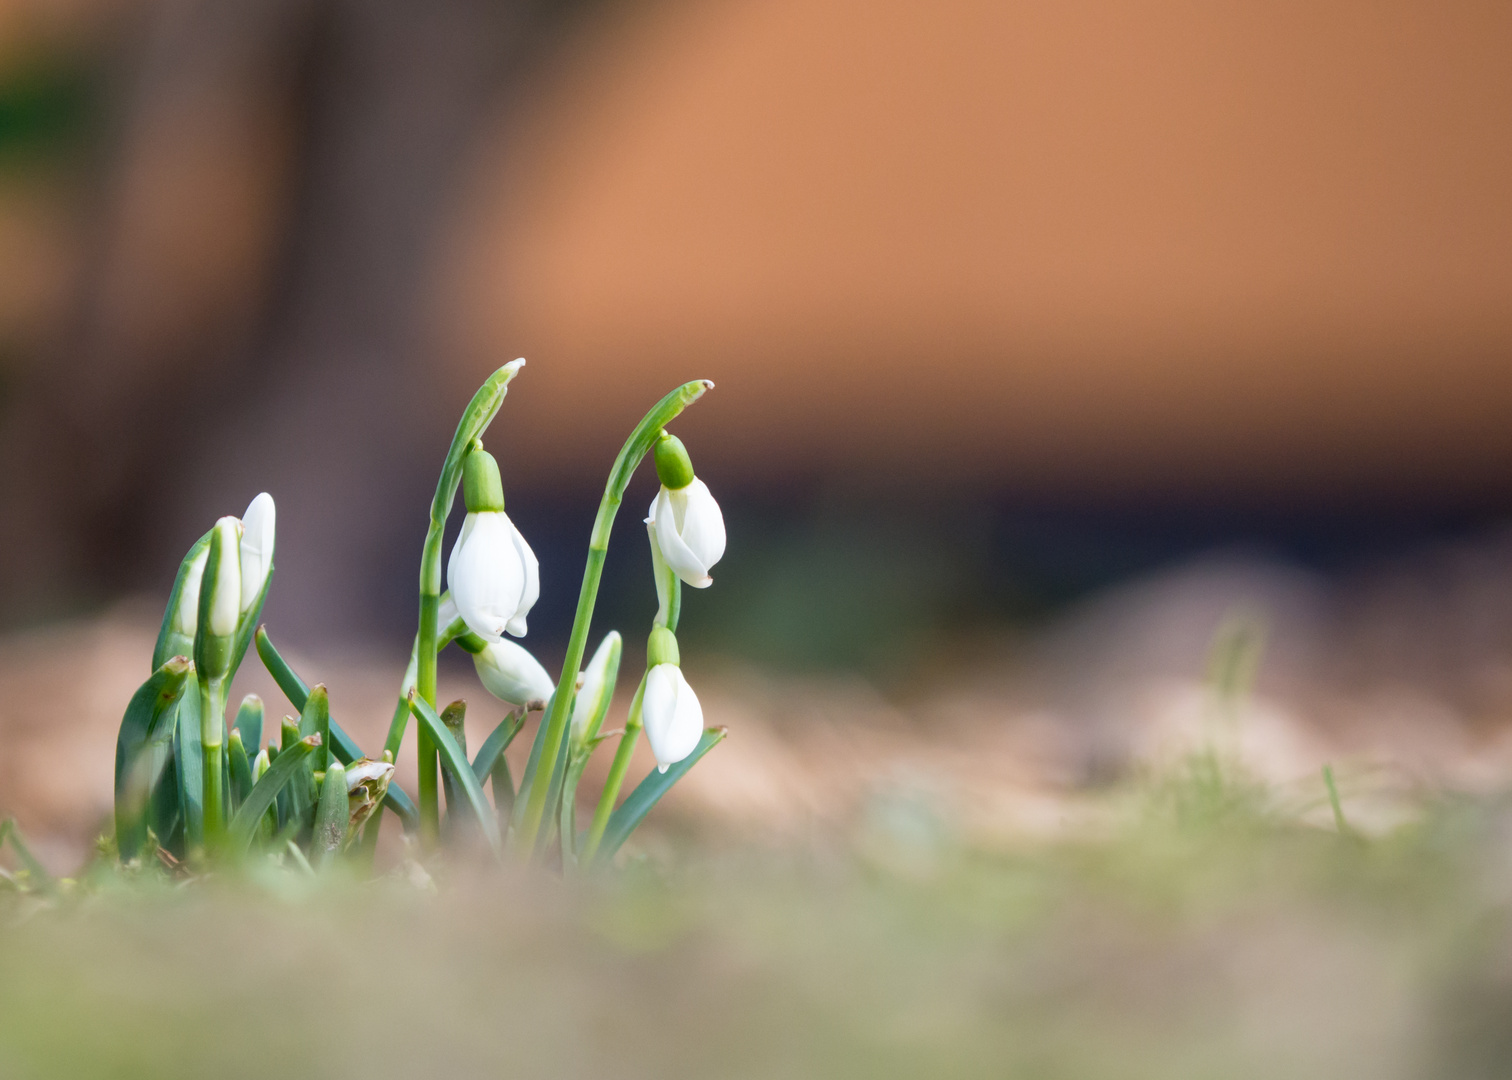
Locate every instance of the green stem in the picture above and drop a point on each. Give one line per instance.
(635, 448)
(425, 686)
(616, 779)
(212, 739)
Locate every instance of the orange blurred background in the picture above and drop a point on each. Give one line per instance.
(1163, 275)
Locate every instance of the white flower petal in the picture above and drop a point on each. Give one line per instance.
(225, 601)
(684, 563)
(256, 548)
(486, 574)
(701, 524)
(186, 615)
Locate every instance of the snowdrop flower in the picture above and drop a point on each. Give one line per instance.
(224, 602)
(688, 526)
(511, 674)
(256, 549)
(186, 615)
(493, 575)
(669, 707)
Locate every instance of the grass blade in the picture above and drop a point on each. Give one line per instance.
(648, 793)
(288, 763)
(249, 721)
(494, 746)
(331, 816)
(454, 759)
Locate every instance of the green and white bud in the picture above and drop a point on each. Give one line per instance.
(597, 691)
(511, 674)
(219, 601)
(687, 523)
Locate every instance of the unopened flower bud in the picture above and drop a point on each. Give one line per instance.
(672, 715)
(256, 549)
(511, 674)
(598, 688)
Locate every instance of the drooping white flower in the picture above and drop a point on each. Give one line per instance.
(256, 548)
(690, 531)
(672, 715)
(493, 576)
(511, 674)
(225, 597)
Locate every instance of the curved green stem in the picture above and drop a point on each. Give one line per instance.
(475, 420)
(616, 779)
(635, 448)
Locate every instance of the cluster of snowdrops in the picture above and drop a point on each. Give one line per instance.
(194, 788)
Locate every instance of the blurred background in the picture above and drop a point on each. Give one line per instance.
(1050, 340)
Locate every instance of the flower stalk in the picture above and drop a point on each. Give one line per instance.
(555, 721)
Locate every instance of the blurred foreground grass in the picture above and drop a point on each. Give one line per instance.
(1202, 934)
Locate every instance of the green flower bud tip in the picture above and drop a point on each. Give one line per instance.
(673, 466)
(661, 648)
(482, 489)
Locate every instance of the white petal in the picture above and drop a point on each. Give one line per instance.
(256, 548)
(532, 587)
(672, 715)
(485, 574)
(684, 563)
(596, 682)
(367, 770)
(446, 612)
(702, 526)
(511, 674)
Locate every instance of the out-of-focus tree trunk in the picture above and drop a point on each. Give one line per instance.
(254, 316)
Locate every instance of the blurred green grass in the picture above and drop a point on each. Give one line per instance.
(1205, 933)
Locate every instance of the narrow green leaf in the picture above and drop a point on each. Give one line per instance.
(249, 721)
(189, 766)
(454, 716)
(290, 760)
(315, 719)
(297, 800)
(648, 793)
(504, 792)
(238, 767)
(343, 746)
(497, 742)
(453, 758)
(331, 817)
(143, 747)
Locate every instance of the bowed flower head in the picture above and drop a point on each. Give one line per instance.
(511, 674)
(669, 707)
(493, 575)
(685, 520)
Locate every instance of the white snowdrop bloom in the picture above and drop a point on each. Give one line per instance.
(672, 715)
(493, 576)
(511, 674)
(690, 531)
(256, 548)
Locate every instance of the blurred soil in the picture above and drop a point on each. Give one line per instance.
(1400, 677)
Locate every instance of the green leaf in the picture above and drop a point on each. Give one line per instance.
(342, 745)
(189, 767)
(454, 759)
(244, 823)
(454, 716)
(331, 817)
(143, 747)
(170, 643)
(239, 768)
(249, 721)
(315, 719)
(494, 746)
(648, 793)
